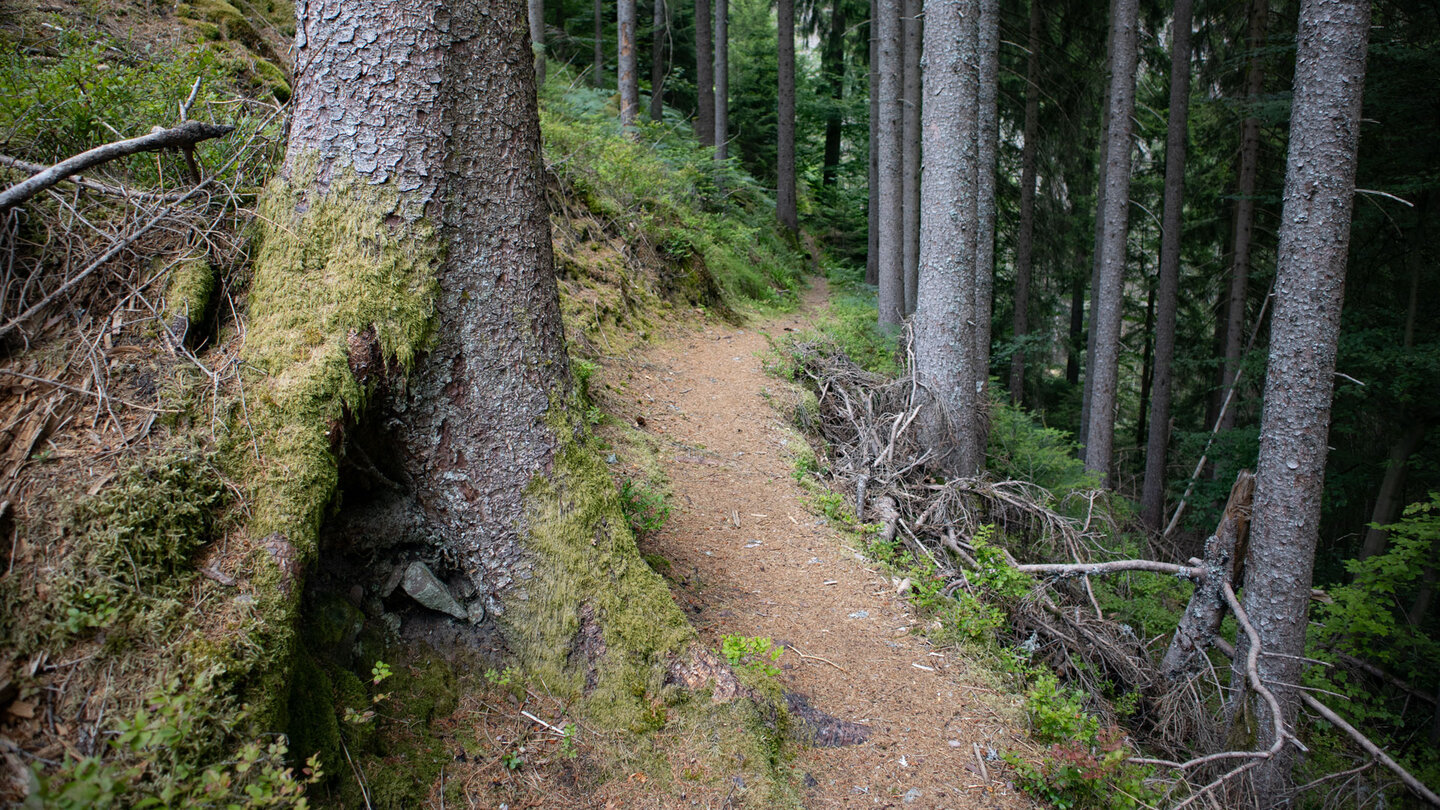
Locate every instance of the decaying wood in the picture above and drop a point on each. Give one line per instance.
(1224, 554)
(183, 136)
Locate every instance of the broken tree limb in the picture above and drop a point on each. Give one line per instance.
(1112, 567)
(1223, 556)
(184, 136)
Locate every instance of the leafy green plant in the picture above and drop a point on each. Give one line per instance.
(644, 508)
(147, 766)
(753, 654)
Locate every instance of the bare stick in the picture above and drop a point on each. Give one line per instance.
(1371, 748)
(1112, 567)
(186, 135)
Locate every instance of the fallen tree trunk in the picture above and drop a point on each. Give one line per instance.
(184, 136)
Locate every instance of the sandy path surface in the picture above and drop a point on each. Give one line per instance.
(749, 558)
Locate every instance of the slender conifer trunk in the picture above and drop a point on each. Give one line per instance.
(890, 237)
(704, 73)
(910, 148)
(722, 79)
(1025, 235)
(1152, 497)
(628, 78)
(785, 203)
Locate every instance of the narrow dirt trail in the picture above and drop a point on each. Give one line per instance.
(748, 558)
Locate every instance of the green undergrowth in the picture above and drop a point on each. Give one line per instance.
(703, 219)
(61, 94)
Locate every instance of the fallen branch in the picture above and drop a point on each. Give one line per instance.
(1374, 750)
(87, 183)
(1113, 567)
(184, 136)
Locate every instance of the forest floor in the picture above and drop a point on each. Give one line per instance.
(747, 556)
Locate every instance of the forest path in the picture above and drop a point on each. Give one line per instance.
(748, 557)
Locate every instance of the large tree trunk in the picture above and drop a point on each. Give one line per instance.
(628, 67)
(722, 79)
(537, 38)
(872, 217)
(394, 243)
(1025, 236)
(1299, 381)
(785, 203)
(597, 56)
(1244, 206)
(1152, 496)
(910, 32)
(1109, 296)
(988, 121)
(659, 31)
(832, 67)
(944, 320)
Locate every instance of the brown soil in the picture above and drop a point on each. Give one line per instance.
(748, 557)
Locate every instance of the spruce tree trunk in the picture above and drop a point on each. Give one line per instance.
(659, 30)
(1077, 331)
(722, 79)
(785, 202)
(1244, 207)
(945, 318)
(890, 205)
(1099, 247)
(419, 245)
(597, 57)
(1152, 496)
(910, 148)
(628, 66)
(872, 217)
(1299, 381)
(1025, 235)
(537, 38)
(988, 121)
(704, 73)
(1109, 296)
(832, 67)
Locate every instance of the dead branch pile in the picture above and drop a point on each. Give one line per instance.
(872, 453)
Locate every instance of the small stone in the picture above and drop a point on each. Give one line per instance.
(612, 458)
(424, 587)
(860, 614)
(954, 743)
(477, 612)
(911, 795)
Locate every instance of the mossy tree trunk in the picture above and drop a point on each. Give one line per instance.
(408, 234)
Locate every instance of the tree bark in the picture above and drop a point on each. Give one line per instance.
(910, 32)
(628, 66)
(659, 31)
(944, 319)
(1147, 358)
(833, 68)
(872, 217)
(1099, 242)
(785, 203)
(394, 243)
(722, 79)
(537, 38)
(597, 58)
(1109, 297)
(1077, 331)
(1299, 382)
(1152, 496)
(1025, 235)
(890, 204)
(704, 73)
(988, 120)
(1244, 205)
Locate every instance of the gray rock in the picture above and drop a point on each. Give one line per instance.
(427, 589)
(911, 795)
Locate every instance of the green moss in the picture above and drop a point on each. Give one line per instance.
(588, 557)
(192, 288)
(324, 270)
(314, 727)
(273, 77)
